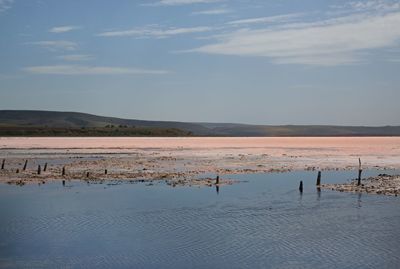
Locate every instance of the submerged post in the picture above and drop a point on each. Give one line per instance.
(45, 167)
(2, 164)
(217, 180)
(63, 182)
(359, 172)
(26, 163)
(39, 169)
(63, 171)
(301, 186)
(319, 178)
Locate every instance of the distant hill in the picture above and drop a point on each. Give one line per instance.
(51, 123)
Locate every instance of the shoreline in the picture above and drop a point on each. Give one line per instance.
(186, 161)
(382, 184)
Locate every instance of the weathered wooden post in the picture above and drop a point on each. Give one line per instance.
(2, 164)
(217, 180)
(26, 163)
(39, 169)
(319, 178)
(63, 171)
(359, 172)
(301, 186)
(45, 167)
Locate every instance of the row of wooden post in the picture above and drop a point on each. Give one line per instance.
(216, 181)
(39, 169)
(319, 177)
(318, 184)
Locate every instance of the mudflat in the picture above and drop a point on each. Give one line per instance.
(184, 160)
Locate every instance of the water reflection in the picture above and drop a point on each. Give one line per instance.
(359, 200)
(263, 223)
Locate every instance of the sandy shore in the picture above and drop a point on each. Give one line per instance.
(382, 184)
(188, 160)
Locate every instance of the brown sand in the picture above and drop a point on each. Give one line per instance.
(382, 184)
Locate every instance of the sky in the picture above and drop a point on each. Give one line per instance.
(243, 61)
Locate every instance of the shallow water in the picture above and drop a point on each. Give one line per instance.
(261, 223)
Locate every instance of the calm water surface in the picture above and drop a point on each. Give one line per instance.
(261, 223)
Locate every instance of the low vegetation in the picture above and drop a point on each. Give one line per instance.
(91, 131)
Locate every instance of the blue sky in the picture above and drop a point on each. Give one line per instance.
(263, 62)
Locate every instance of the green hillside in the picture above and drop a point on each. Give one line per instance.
(51, 123)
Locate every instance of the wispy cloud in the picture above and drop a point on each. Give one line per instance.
(180, 2)
(55, 45)
(76, 57)
(217, 11)
(328, 42)
(381, 5)
(63, 29)
(155, 32)
(394, 60)
(90, 70)
(5, 4)
(270, 19)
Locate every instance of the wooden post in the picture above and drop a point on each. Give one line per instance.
(63, 182)
(39, 169)
(87, 174)
(301, 186)
(217, 180)
(319, 178)
(105, 172)
(45, 167)
(359, 172)
(17, 171)
(26, 163)
(2, 164)
(63, 171)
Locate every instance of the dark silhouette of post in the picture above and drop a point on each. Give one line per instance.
(2, 164)
(45, 167)
(301, 187)
(319, 178)
(87, 174)
(105, 172)
(26, 163)
(217, 180)
(359, 172)
(63, 182)
(39, 169)
(63, 171)
(17, 171)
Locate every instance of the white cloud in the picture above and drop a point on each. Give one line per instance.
(332, 42)
(217, 11)
(90, 70)
(155, 32)
(55, 45)
(76, 57)
(271, 19)
(63, 29)
(5, 4)
(375, 5)
(180, 2)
